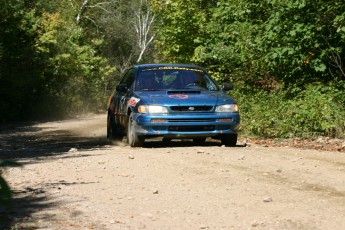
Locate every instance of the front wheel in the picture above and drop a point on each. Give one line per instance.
(229, 139)
(134, 140)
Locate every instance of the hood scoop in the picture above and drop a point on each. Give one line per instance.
(183, 92)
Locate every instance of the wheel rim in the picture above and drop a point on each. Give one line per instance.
(133, 139)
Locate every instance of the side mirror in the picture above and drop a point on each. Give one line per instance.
(227, 87)
(122, 88)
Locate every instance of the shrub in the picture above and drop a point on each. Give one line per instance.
(316, 110)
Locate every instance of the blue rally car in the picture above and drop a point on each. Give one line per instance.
(172, 101)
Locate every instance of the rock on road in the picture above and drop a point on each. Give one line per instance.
(72, 178)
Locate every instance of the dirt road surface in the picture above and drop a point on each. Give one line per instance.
(72, 178)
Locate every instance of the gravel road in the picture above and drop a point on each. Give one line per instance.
(72, 178)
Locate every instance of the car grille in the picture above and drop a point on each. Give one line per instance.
(197, 128)
(191, 108)
(191, 120)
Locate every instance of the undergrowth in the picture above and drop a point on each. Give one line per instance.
(317, 110)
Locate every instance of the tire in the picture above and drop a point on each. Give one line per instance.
(133, 139)
(199, 140)
(229, 139)
(166, 140)
(113, 133)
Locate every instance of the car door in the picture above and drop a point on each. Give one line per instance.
(124, 91)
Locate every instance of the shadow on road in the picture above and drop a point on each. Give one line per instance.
(29, 145)
(158, 143)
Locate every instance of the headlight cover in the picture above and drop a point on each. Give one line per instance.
(228, 108)
(152, 109)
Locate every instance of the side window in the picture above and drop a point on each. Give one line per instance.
(128, 78)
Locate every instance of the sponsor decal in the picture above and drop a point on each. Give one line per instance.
(133, 101)
(172, 68)
(179, 96)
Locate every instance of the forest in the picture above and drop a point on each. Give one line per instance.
(285, 58)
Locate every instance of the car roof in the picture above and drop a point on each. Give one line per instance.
(145, 66)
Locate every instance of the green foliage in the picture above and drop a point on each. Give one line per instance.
(18, 73)
(257, 116)
(63, 57)
(85, 91)
(180, 27)
(301, 44)
(287, 41)
(230, 46)
(339, 23)
(50, 65)
(317, 110)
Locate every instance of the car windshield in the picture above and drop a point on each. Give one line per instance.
(170, 78)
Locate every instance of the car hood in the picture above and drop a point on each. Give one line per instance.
(183, 97)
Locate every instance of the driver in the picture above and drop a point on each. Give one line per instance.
(148, 81)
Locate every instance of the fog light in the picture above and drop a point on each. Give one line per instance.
(158, 120)
(225, 119)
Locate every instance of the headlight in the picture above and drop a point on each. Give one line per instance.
(229, 108)
(152, 109)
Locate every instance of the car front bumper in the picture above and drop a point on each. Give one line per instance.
(186, 125)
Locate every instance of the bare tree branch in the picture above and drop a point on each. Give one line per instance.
(98, 5)
(336, 58)
(81, 10)
(88, 18)
(85, 5)
(71, 3)
(142, 27)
